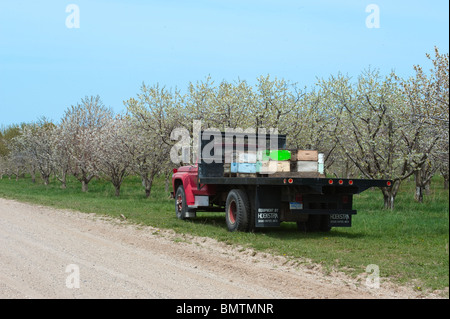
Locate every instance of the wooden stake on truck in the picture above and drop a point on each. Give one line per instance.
(257, 186)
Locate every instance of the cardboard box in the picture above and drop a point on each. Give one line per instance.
(305, 155)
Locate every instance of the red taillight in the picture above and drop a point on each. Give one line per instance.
(174, 170)
(388, 183)
(290, 180)
(330, 181)
(350, 182)
(341, 182)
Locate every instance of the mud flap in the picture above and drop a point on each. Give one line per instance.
(340, 220)
(267, 205)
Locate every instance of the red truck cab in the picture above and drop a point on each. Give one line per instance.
(188, 196)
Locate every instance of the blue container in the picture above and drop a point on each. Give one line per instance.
(243, 168)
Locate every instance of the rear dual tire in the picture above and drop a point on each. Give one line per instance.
(237, 211)
(315, 223)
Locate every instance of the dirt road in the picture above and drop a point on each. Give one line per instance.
(49, 253)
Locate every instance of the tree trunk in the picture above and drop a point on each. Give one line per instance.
(389, 200)
(117, 190)
(63, 179)
(84, 186)
(148, 185)
(427, 187)
(46, 179)
(33, 174)
(63, 182)
(389, 195)
(446, 178)
(420, 186)
(84, 178)
(418, 195)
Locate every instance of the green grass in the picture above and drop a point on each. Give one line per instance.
(409, 244)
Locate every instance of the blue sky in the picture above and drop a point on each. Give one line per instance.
(45, 66)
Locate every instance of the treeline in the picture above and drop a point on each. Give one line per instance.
(371, 127)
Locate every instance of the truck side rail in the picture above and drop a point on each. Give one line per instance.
(350, 186)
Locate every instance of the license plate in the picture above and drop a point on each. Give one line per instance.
(295, 206)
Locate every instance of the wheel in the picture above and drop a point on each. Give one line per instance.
(311, 225)
(237, 211)
(181, 208)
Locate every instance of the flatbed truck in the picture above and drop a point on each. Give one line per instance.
(314, 203)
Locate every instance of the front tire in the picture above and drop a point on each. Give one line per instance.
(237, 211)
(181, 208)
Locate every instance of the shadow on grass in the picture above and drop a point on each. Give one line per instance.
(294, 233)
(215, 220)
(287, 230)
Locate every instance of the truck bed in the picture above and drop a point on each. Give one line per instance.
(350, 186)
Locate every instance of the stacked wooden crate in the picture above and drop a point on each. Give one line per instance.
(308, 163)
(243, 165)
(251, 163)
(246, 164)
(301, 163)
(271, 162)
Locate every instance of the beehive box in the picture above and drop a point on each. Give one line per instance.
(270, 167)
(304, 155)
(246, 157)
(276, 155)
(243, 168)
(307, 166)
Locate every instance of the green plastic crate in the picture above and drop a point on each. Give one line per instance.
(277, 155)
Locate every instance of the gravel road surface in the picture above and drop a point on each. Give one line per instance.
(50, 253)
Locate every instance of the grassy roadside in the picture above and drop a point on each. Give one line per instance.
(409, 244)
